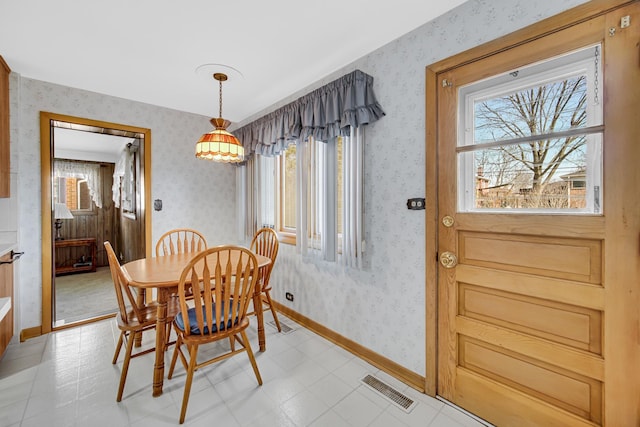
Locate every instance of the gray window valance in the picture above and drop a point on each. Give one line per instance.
(325, 113)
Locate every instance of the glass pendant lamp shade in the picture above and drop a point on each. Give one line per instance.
(219, 145)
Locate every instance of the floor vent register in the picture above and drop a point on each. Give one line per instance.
(285, 328)
(402, 401)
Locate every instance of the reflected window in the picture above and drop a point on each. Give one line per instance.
(73, 192)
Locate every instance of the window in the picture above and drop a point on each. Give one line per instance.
(318, 196)
(83, 201)
(266, 185)
(287, 191)
(78, 184)
(302, 176)
(128, 183)
(73, 192)
(531, 139)
(315, 192)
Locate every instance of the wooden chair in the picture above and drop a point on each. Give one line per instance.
(223, 280)
(134, 317)
(265, 242)
(180, 240)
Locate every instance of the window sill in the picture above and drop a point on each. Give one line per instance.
(287, 238)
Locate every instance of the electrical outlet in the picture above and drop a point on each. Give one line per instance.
(289, 296)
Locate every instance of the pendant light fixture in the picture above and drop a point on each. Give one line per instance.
(219, 145)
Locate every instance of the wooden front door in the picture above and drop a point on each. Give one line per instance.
(538, 308)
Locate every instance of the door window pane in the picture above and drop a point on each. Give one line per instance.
(512, 178)
(532, 138)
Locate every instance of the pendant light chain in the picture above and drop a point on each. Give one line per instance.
(220, 103)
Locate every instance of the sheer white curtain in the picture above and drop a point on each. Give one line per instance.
(267, 186)
(315, 199)
(352, 204)
(317, 231)
(242, 199)
(83, 170)
(256, 196)
(302, 185)
(248, 202)
(118, 173)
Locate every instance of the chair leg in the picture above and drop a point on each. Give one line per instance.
(193, 353)
(125, 366)
(138, 339)
(167, 333)
(252, 359)
(118, 347)
(175, 356)
(232, 343)
(273, 311)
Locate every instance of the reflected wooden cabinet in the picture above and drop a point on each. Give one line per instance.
(88, 261)
(5, 177)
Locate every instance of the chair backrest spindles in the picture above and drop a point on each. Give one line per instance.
(265, 242)
(212, 276)
(121, 284)
(180, 240)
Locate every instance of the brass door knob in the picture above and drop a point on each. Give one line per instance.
(447, 221)
(448, 260)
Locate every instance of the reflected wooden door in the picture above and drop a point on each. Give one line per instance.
(537, 311)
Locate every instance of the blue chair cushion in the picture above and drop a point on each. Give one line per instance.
(208, 323)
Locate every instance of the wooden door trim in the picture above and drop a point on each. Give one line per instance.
(553, 24)
(45, 176)
(433, 73)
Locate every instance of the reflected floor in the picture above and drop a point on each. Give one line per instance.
(83, 296)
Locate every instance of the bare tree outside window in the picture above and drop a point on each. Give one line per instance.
(531, 174)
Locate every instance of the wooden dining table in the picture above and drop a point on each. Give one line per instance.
(163, 274)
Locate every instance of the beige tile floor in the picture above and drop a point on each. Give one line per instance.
(66, 379)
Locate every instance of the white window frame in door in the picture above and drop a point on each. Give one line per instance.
(582, 62)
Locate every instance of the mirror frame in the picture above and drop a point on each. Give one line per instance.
(46, 175)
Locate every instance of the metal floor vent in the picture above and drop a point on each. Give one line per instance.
(402, 401)
(285, 328)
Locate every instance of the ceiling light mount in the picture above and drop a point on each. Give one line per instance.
(221, 77)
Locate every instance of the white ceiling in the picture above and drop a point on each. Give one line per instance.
(80, 145)
(149, 50)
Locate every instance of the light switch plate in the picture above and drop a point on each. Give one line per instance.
(415, 204)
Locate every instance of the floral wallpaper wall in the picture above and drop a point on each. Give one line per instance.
(383, 307)
(195, 193)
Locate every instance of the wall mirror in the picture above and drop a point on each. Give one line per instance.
(95, 188)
